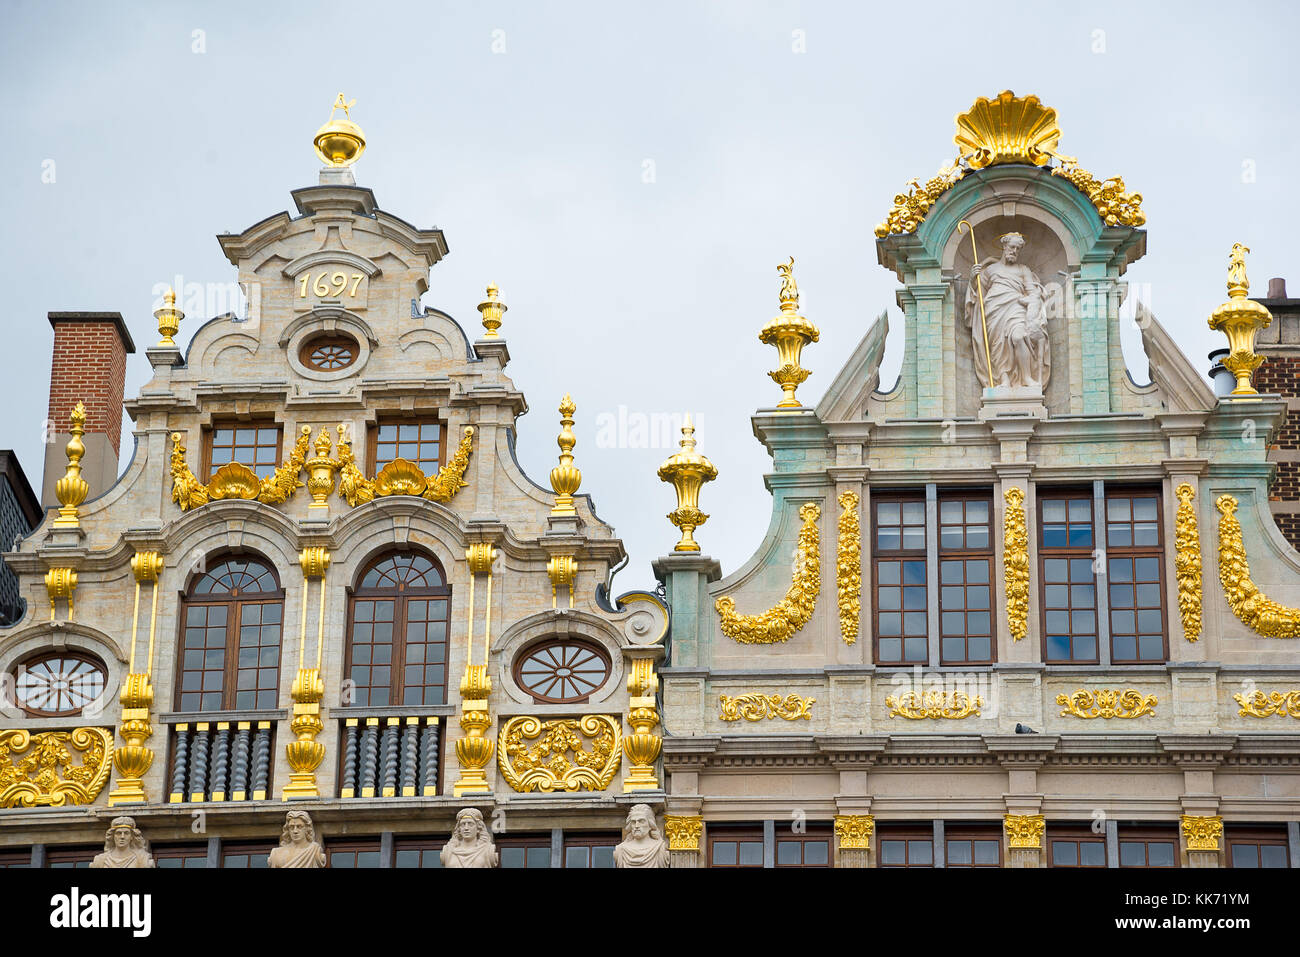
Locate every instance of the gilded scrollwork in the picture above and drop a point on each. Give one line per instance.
(401, 477)
(848, 567)
(1248, 603)
(934, 703)
(1107, 703)
(1015, 562)
(1261, 705)
(755, 706)
(38, 770)
(559, 760)
(791, 613)
(1187, 562)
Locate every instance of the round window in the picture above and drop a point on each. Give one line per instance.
(329, 353)
(59, 683)
(562, 671)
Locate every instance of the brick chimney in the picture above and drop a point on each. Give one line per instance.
(1280, 375)
(89, 365)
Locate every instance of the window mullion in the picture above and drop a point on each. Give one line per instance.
(1101, 580)
(932, 629)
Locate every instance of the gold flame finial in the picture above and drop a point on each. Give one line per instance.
(688, 470)
(169, 320)
(789, 290)
(492, 309)
(71, 490)
(340, 142)
(565, 477)
(1241, 320)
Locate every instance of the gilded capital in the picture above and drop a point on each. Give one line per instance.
(146, 566)
(684, 831)
(1202, 833)
(854, 831)
(315, 561)
(1025, 830)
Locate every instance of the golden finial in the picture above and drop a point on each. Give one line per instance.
(169, 320)
(789, 332)
(688, 470)
(492, 309)
(565, 477)
(340, 142)
(1008, 129)
(1241, 319)
(72, 489)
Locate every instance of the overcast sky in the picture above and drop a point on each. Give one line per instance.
(528, 132)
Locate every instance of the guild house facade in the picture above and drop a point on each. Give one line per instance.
(1017, 610)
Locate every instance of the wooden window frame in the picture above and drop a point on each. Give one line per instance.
(372, 439)
(11, 859)
(814, 834)
(1070, 493)
(526, 842)
(609, 839)
(354, 845)
(965, 553)
(1134, 552)
(329, 339)
(1256, 837)
(528, 652)
(1078, 836)
(1147, 836)
(897, 555)
(421, 844)
(724, 834)
(973, 833)
(258, 422)
(55, 856)
(248, 849)
(165, 852)
(231, 665)
(907, 835)
(400, 597)
(73, 653)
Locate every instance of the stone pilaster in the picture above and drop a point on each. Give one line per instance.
(685, 835)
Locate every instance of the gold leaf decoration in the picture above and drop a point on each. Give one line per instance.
(910, 208)
(755, 706)
(1187, 562)
(1025, 830)
(283, 482)
(1114, 205)
(1015, 562)
(683, 831)
(1248, 603)
(450, 478)
(935, 703)
(187, 491)
(233, 480)
(1261, 705)
(848, 567)
(401, 477)
(1007, 129)
(854, 831)
(559, 761)
(37, 770)
(783, 621)
(236, 481)
(1202, 833)
(1108, 703)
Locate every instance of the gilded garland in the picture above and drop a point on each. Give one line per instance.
(783, 620)
(400, 477)
(1187, 562)
(1015, 562)
(233, 480)
(755, 706)
(559, 760)
(848, 567)
(1107, 703)
(37, 770)
(935, 703)
(1248, 603)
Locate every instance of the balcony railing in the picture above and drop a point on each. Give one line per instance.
(221, 760)
(389, 756)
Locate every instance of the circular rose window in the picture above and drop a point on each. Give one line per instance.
(59, 683)
(329, 353)
(562, 671)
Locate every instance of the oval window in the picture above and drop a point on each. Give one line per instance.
(562, 671)
(329, 353)
(59, 683)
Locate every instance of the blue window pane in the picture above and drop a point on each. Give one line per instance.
(1058, 647)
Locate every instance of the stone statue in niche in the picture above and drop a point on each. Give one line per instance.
(643, 845)
(124, 846)
(298, 847)
(471, 844)
(1015, 311)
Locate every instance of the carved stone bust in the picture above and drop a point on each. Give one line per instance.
(471, 844)
(124, 846)
(298, 847)
(643, 845)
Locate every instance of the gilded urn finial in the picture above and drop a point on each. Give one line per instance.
(565, 477)
(1241, 319)
(789, 332)
(340, 142)
(688, 470)
(492, 309)
(169, 320)
(72, 489)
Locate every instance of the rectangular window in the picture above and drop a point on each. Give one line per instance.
(1136, 580)
(416, 440)
(180, 855)
(1065, 548)
(525, 851)
(590, 850)
(899, 580)
(71, 856)
(255, 445)
(729, 847)
(16, 859)
(1263, 848)
(349, 854)
(905, 849)
(975, 848)
(1148, 850)
(809, 849)
(245, 855)
(418, 852)
(1081, 849)
(965, 579)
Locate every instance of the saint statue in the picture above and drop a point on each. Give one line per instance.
(471, 844)
(643, 845)
(298, 847)
(124, 846)
(1015, 310)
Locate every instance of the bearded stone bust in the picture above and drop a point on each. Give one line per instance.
(471, 844)
(124, 846)
(643, 845)
(298, 847)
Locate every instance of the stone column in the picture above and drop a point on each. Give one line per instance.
(684, 836)
(853, 839)
(1024, 839)
(1203, 837)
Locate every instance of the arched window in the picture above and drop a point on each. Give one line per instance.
(562, 670)
(59, 683)
(397, 633)
(230, 638)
